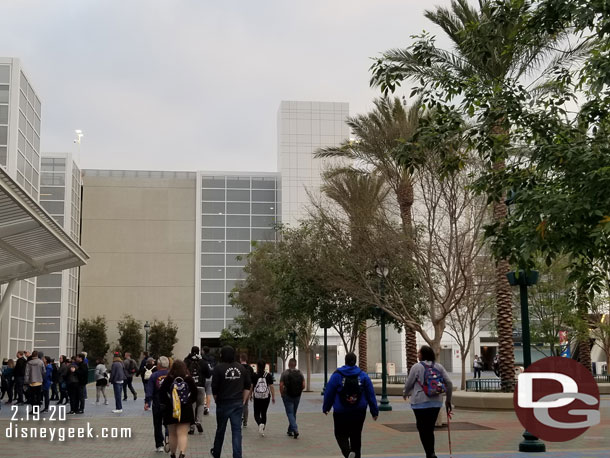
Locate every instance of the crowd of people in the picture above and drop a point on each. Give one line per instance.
(179, 394)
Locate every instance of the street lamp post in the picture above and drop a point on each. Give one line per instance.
(146, 328)
(293, 334)
(530, 443)
(325, 357)
(384, 405)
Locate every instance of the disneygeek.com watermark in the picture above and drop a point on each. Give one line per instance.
(29, 424)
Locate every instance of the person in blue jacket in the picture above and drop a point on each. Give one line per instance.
(349, 391)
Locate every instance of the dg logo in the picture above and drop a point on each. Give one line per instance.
(557, 399)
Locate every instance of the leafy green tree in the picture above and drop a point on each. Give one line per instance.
(92, 333)
(162, 338)
(130, 335)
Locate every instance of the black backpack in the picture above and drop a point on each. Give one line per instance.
(351, 389)
(195, 369)
(294, 383)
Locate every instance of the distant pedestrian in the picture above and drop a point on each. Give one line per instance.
(152, 399)
(101, 381)
(46, 383)
(426, 383)
(74, 390)
(262, 393)
(8, 377)
(200, 372)
(496, 365)
(54, 381)
(348, 392)
(20, 364)
(292, 384)
(180, 392)
(230, 386)
(142, 369)
(62, 378)
(35, 373)
(243, 360)
(82, 372)
(211, 362)
(117, 378)
(477, 366)
(130, 370)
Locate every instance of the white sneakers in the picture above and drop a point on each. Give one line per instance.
(160, 450)
(351, 455)
(117, 411)
(261, 429)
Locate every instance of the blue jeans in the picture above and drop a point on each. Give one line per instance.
(233, 411)
(291, 405)
(118, 393)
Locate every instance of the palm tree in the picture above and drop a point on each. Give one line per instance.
(489, 46)
(361, 197)
(380, 135)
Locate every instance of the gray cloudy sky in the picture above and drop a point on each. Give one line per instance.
(195, 84)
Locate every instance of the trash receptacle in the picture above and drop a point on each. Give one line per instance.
(391, 369)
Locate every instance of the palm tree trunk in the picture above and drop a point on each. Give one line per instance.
(410, 347)
(584, 344)
(362, 348)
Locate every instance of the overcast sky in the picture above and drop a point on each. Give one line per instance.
(195, 84)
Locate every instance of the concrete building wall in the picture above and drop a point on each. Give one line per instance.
(139, 229)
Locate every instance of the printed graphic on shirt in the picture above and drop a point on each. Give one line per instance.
(232, 373)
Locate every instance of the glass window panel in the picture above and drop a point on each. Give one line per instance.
(238, 221)
(3, 93)
(52, 280)
(238, 233)
(213, 207)
(59, 219)
(213, 247)
(48, 193)
(232, 312)
(3, 114)
(213, 220)
(47, 325)
(238, 182)
(238, 195)
(44, 339)
(23, 83)
(263, 209)
(5, 74)
(235, 260)
(213, 298)
(29, 113)
(212, 260)
(212, 325)
(20, 162)
(263, 221)
(53, 207)
(36, 125)
(263, 196)
(212, 273)
(213, 194)
(3, 135)
(263, 234)
(263, 184)
(3, 155)
(49, 295)
(212, 312)
(212, 182)
(212, 286)
(21, 144)
(238, 208)
(238, 247)
(23, 103)
(232, 284)
(213, 233)
(37, 105)
(236, 273)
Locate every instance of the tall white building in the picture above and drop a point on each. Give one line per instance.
(20, 114)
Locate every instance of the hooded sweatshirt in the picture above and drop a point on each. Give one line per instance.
(332, 396)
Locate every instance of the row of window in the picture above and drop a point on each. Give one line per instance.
(221, 312)
(219, 286)
(239, 182)
(238, 208)
(231, 260)
(214, 325)
(238, 195)
(238, 221)
(237, 233)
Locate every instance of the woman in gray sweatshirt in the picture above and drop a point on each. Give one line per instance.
(427, 406)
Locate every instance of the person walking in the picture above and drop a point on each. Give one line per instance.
(47, 382)
(20, 365)
(117, 378)
(8, 377)
(478, 366)
(152, 399)
(243, 360)
(426, 383)
(262, 393)
(74, 390)
(348, 392)
(496, 365)
(142, 369)
(130, 370)
(180, 392)
(292, 384)
(230, 387)
(200, 371)
(62, 378)
(101, 381)
(35, 373)
(82, 373)
(211, 362)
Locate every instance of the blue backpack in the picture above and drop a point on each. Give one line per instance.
(434, 383)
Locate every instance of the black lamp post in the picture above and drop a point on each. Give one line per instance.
(384, 405)
(530, 443)
(325, 326)
(293, 335)
(146, 328)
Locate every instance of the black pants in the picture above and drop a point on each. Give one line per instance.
(35, 395)
(74, 391)
(260, 410)
(54, 394)
(348, 431)
(63, 392)
(157, 415)
(81, 397)
(425, 420)
(128, 384)
(477, 371)
(19, 388)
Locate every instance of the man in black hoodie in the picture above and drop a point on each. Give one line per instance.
(200, 371)
(82, 373)
(20, 366)
(231, 389)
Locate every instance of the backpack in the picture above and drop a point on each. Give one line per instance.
(434, 383)
(148, 373)
(180, 395)
(351, 389)
(261, 390)
(293, 383)
(211, 362)
(195, 369)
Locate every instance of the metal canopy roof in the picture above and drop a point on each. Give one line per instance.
(31, 242)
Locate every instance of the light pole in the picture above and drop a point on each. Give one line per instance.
(384, 405)
(530, 443)
(325, 325)
(146, 328)
(293, 334)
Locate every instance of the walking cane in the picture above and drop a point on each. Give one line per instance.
(449, 414)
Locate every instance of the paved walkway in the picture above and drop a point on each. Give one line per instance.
(496, 434)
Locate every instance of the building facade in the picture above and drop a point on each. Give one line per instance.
(20, 121)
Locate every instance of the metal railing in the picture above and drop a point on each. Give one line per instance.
(391, 379)
(484, 385)
(602, 378)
